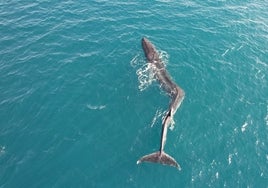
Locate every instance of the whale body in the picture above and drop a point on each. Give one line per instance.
(177, 95)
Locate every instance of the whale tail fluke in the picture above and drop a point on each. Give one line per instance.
(160, 157)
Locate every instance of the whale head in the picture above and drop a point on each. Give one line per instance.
(149, 50)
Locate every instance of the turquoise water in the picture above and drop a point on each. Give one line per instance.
(77, 108)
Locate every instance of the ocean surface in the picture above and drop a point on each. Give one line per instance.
(79, 105)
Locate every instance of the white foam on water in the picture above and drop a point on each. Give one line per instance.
(145, 76)
(2, 150)
(95, 107)
(146, 71)
(163, 55)
(230, 159)
(246, 123)
(217, 175)
(158, 114)
(243, 128)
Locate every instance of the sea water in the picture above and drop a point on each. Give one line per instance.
(79, 105)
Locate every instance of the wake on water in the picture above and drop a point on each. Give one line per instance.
(146, 76)
(145, 71)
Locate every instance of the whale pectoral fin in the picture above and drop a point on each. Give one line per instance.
(160, 157)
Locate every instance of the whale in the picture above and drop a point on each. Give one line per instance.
(176, 94)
